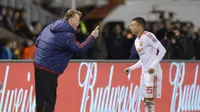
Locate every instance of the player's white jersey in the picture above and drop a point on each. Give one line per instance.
(146, 46)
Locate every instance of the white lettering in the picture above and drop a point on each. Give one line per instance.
(189, 97)
(16, 99)
(106, 99)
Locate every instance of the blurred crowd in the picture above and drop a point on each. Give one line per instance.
(14, 20)
(180, 38)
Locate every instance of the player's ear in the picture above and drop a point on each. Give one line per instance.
(140, 26)
(70, 20)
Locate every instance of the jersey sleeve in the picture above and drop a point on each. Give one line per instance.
(152, 40)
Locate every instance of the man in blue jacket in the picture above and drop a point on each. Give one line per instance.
(55, 47)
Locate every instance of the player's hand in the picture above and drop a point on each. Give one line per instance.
(127, 71)
(151, 70)
(95, 32)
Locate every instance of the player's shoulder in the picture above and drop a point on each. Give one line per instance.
(149, 34)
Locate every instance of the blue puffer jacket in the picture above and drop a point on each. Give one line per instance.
(56, 45)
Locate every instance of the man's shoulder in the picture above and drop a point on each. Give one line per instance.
(148, 34)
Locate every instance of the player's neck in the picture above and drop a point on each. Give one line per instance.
(140, 33)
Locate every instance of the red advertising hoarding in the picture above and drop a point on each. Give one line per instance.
(101, 87)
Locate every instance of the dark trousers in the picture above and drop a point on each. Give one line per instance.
(45, 88)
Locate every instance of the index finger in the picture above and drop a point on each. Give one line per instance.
(97, 27)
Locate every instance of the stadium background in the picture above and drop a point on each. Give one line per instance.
(176, 23)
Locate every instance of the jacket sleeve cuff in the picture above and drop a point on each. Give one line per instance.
(92, 37)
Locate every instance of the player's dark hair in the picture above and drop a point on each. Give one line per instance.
(140, 21)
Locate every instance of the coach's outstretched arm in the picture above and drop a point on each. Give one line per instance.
(77, 47)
